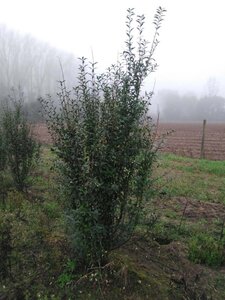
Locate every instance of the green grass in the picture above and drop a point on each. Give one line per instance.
(206, 249)
(199, 179)
(197, 165)
(196, 180)
(35, 222)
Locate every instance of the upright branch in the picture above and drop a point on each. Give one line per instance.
(103, 137)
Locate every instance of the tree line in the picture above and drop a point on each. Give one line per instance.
(174, 107)
(33, 67)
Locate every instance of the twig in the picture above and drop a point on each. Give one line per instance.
(182, 217)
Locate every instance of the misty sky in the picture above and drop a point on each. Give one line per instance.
(191, 49)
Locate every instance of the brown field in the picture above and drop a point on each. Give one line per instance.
(185, 139)
(42, 134)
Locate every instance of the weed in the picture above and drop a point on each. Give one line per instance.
(164, 232)
(205, 249)
(67, 276)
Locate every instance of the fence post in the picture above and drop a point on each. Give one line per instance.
(202, 155)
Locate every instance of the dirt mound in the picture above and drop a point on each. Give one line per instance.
(193, 209)
(167, 272)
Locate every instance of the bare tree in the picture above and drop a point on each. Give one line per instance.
(31, 64)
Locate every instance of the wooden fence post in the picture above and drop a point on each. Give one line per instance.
(202, 155)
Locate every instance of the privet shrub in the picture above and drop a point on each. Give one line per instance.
(3, 156)
(32, 250)
(2, 166)
(102, 136)
(5, 245)
(20, 147)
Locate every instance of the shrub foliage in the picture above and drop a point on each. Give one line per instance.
(103, 137)
(19, 149)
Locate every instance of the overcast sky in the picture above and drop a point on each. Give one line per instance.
(191, 49)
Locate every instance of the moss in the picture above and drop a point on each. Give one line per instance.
(142, 282)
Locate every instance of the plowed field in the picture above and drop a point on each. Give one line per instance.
(185, 139)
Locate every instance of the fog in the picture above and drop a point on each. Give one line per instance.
(31, 64)
(175, 107)
(35, 35)
(33, 68)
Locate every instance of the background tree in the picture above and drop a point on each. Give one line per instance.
(31, 64)
(175, 107)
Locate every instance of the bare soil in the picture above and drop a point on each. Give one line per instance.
(40, 131)
(193, 209)
(186, 139)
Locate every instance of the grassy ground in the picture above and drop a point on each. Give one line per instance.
(199, 179)
(180, 257)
